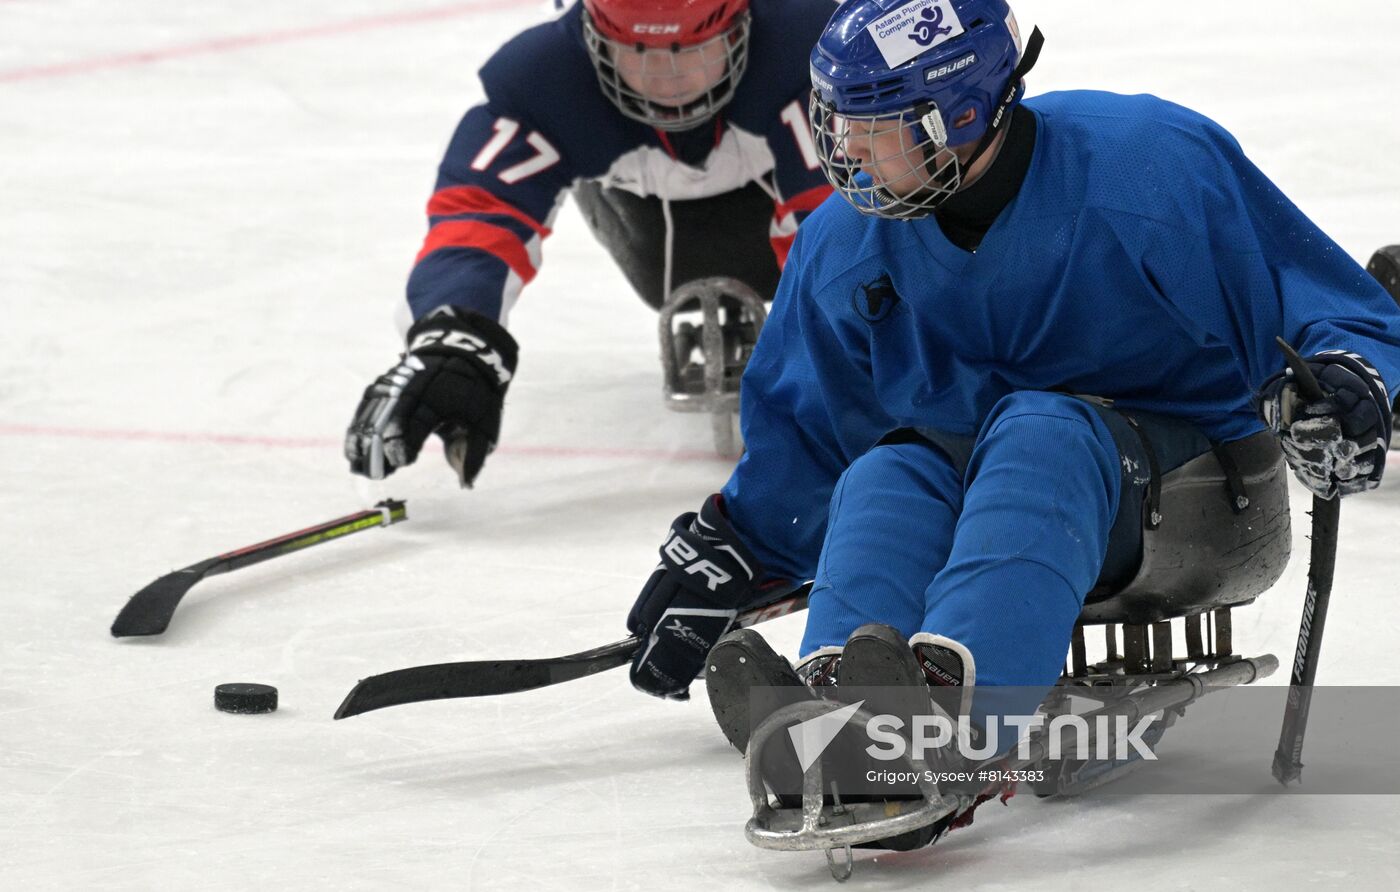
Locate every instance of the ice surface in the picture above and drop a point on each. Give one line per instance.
(201, 249)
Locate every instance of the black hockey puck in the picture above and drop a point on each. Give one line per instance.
(244, 698)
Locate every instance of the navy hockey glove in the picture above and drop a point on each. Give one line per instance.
(1337, 445)
(691, 599)
(451, 381)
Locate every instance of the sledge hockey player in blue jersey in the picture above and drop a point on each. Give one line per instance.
(1022, 369)
(680, 127)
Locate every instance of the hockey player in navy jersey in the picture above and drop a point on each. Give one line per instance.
(987, 353)
(679, 126)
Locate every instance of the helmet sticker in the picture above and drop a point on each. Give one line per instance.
(914, 28)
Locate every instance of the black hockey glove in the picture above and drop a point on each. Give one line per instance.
(691, 599)
(1337, 445)
(451, 381)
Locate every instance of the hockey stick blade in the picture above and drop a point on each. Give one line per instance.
(149, 611)
(481, 678)
(486, 678)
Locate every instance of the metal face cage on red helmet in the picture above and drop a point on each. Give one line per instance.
(908, 94)
(670, 64)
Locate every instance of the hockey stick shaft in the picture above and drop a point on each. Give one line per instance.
(149, 611)
(486, 678)
(1322, 562)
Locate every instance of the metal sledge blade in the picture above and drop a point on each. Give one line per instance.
(480, 678)
(148, 612)
(730, 315)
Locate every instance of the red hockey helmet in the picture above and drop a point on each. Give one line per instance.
(663, 23)
(670, 64)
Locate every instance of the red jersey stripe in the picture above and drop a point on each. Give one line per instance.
(802, 201)
(476, 200)
(498, 242)
(781, 246)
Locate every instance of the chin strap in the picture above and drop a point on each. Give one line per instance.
(1013, 92)
(1000, 118)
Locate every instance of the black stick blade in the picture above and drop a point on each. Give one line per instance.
(480, 678)
(486, 678)
(148, 612)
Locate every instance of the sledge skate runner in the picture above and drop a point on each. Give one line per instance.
(829, 802)
(709, 328)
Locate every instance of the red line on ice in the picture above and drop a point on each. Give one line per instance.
(327, 443)
(1392, 457)
(246, 41)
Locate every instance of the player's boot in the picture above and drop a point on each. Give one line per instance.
(1385, 266)
(910, 678)
(817, 783)
(924, 676)
(741, 667)
(747, 681)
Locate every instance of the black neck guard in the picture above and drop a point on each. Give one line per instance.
(966, 215)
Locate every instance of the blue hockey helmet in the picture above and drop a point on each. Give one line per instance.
(907, 94)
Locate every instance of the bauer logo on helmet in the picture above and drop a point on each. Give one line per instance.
(948, 68)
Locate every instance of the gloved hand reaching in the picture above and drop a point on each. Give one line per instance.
(451, 381)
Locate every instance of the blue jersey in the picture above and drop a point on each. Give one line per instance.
(1144, 259)
(546, 124)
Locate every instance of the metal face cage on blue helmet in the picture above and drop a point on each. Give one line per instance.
(908, 94)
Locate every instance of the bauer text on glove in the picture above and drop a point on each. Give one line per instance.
(691, 599)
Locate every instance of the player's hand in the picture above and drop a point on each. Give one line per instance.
(1336, 445)
(691, 599)
(451, 381)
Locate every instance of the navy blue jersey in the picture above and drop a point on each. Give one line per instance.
(545, 124)
(1145, 259)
